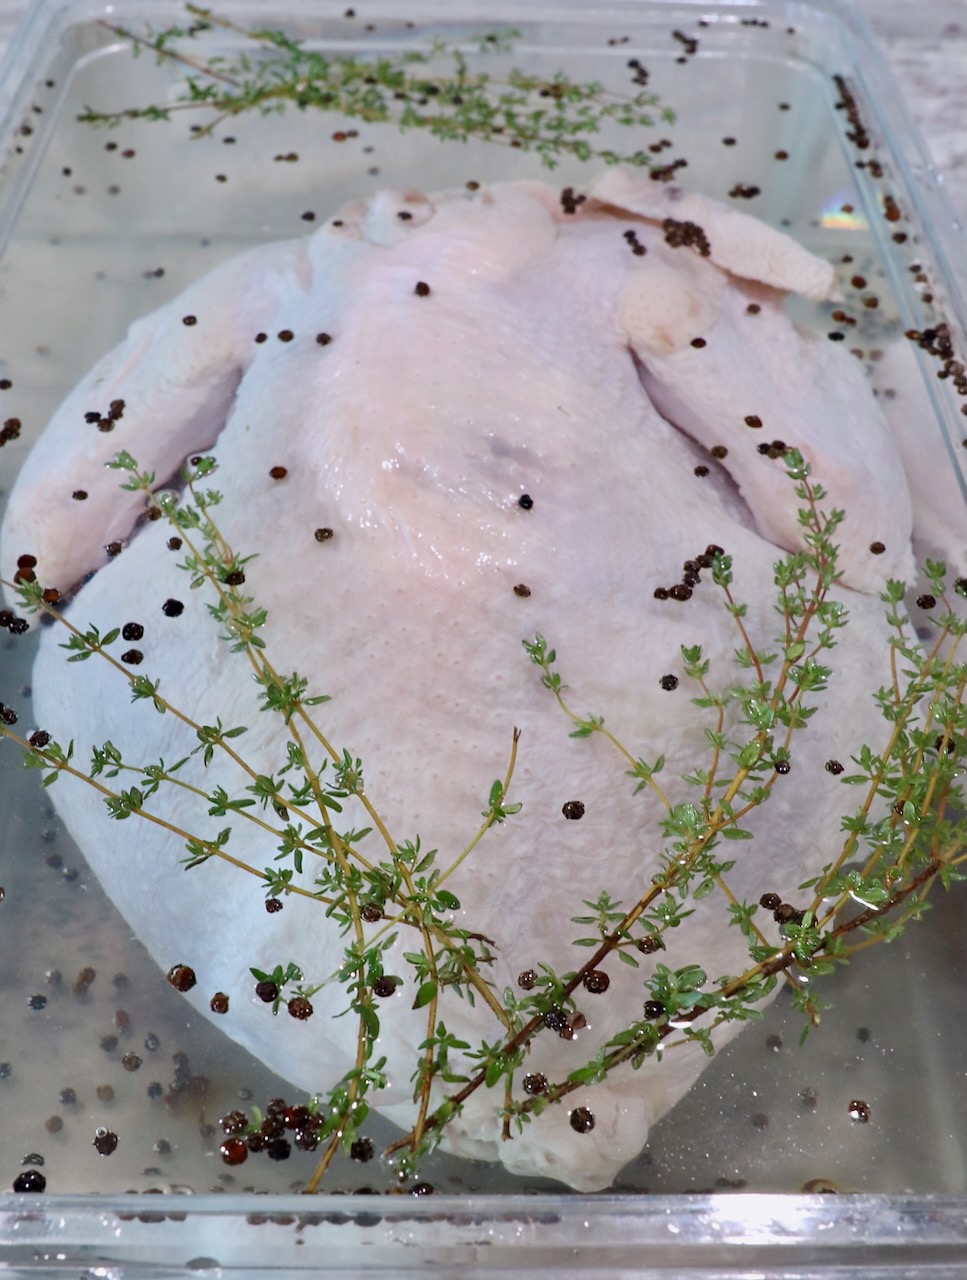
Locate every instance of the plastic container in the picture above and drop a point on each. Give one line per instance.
(92, 236)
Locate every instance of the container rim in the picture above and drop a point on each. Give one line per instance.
(607, 1237)
(801, 1235)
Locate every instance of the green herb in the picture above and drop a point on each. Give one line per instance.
(437, 88)
(885, 866)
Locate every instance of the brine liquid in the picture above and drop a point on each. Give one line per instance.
(100, 236)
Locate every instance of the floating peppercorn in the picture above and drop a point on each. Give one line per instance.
(596, 981)
(370, 912)
(233, 1122)
(525, 501)
(422, 289)
(322, 535)
(278, 473)
(926, 601)
(782, 767)
(573, 810)
(859, 1111)
(581, 1120)
(535, 1083)
(30, 1182)
(182, 977)
(323, 339)
(219, 1002)
(527, 980)
(133, 657)
(680, 591)
(384, 986)
(753, 420)
(189, 320)
(555, 1019)
(833, 766)
(668, 683)
(698, 343)
(653, 1009)
(877, 548)
(131, 1062)
(39, 739)
(300, 1008)
(37, 1002)
(272, 905)
(661, 593)
(285, 335)
(174, 544)
(267, 991)
(649, 944)
(105, 1142)
(296, 1117)
(522, 590)
(234, 1151)
(172, 608)
(786, 913)
(132, 631)
(362, 1150)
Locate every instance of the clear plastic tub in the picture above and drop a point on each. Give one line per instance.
(93, 235)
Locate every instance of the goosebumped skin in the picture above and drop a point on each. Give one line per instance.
(531, 366)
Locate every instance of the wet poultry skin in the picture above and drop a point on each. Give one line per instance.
(400, 382)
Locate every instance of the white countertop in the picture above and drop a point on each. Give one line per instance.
(925, 42)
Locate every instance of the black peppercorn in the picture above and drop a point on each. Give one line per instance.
(653, 1009)
(182, 977)
(105, 1142)
(573, 810)
(581, 1120)
(649, 944)
(596, 981)
(234, 1151)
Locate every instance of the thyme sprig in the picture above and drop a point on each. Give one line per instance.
(436, 88)
(898, 841)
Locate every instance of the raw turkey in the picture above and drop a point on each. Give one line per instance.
(447, 423)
